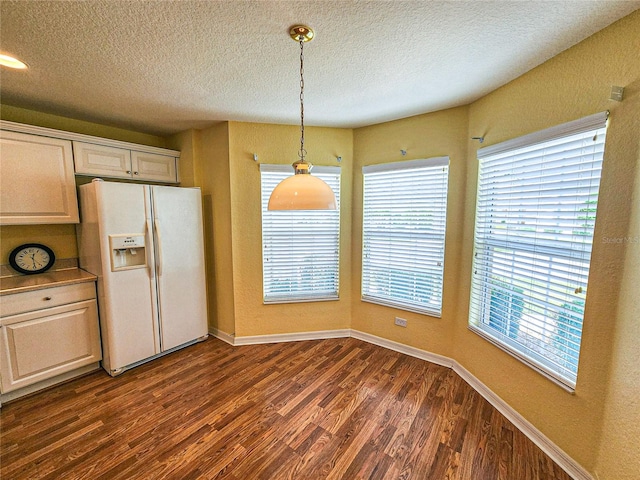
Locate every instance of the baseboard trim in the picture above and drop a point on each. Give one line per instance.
(220, 335)
(558, 455)
(402, 348)
(279, 337)
(291, 337)
(536, 436)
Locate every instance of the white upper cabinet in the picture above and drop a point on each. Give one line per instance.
(108, 161)
(153, 167)
(36, 180)
(38, 166)
(100, 160)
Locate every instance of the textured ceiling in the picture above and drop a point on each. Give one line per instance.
(166, 66)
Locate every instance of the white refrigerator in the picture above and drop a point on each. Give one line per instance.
(145, 245)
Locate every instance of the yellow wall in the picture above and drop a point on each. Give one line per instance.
(216, 188)
(598, 433)
(31, 117)
(573, 84)
(278, 144)
(425, 136)
(619, 456)
(230, 181)
(187, 143)
(61, 238)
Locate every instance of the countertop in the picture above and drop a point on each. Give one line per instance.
(27, 283)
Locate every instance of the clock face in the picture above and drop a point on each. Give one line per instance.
(31, 258)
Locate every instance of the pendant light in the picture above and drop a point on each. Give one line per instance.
(302, 191)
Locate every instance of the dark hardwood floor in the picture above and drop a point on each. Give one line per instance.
(328, 409)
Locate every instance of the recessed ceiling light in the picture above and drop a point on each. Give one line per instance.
(8, 61)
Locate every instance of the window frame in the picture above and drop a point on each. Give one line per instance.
(570, 257)
(283, 252)
(399, 169)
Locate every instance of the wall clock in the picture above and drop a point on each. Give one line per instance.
(32, 258)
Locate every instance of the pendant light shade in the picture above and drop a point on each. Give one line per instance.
(302, 191)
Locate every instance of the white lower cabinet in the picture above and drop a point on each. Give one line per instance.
(36, 345)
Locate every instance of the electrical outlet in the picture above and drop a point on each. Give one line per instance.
(401, 322)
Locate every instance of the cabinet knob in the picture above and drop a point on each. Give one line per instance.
(47, 298)
(135, 173)
(128, 172)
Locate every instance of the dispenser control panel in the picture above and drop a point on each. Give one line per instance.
(127, 241)
(127, 251)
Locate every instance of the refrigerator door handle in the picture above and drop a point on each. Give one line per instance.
(149, 253)
(159, 240)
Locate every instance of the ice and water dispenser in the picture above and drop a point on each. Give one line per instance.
(127, 251)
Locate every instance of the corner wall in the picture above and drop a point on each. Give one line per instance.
(572, 85)
(619, 455)
(278, 144)
(424, 136)
(213, 163)
(598, 425)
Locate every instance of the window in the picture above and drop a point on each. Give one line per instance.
(536, 210)
(404, 220)
(300, 249)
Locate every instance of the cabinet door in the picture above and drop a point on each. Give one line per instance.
(37, 185)
(39, 345)
(101, 161)
(153, 167)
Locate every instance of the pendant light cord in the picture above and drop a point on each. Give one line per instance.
(302, 152)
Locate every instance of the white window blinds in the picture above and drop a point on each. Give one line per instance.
(404, 221)
(536, 210)
(300, 249)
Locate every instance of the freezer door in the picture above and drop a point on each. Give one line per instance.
(179, 264)
(127, 309)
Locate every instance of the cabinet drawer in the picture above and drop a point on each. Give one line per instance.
(39, 345)
(16, 303)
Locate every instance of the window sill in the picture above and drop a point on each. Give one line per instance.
(400, 306)
(524, 359)
(274, 301)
